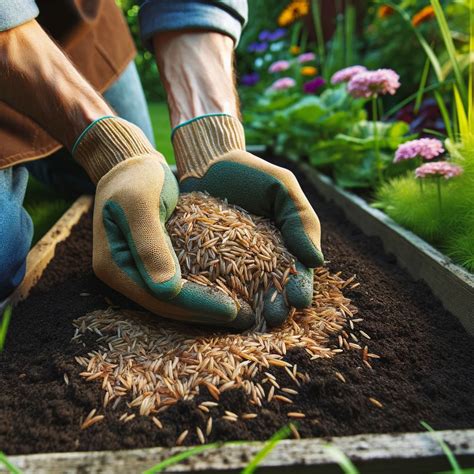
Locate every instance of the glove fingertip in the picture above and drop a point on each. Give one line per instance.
(275, 312)
(299, 289)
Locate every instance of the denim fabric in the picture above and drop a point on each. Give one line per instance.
(16, 229)
(224, 16)
(60, 172)
(16, 12)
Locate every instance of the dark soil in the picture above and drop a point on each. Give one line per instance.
(426, 370)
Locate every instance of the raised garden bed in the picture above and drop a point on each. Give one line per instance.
(425, 373)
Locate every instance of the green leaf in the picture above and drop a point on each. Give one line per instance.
(444, 113)
(10, 467)
(269, 446)
(448, 42)
(341, 459)
(180, 457)
(307, 110)
(447, 450)
(4, 326)
(462, 116)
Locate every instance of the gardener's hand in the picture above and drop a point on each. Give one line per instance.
(132, 253)
(210, 157)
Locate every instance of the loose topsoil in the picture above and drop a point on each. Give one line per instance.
(425, 373)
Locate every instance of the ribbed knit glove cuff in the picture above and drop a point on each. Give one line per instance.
(106, 143)
(198, 142)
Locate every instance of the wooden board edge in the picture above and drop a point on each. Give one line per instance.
(388, 453)
(43, 251)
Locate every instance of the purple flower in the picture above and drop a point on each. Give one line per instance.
(370, 84)
(250, 79)
(257, 47)
(427, 148)
(306, 57)
(264, 35)
(346, 74)
(277, 34)
(279, 66)
(313, 85)
(438, 168)
(283, 83)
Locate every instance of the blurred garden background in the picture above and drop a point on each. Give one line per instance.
(375, 94)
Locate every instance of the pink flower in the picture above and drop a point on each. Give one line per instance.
(373, 83)
(346, 74)
(438, 168)
(283, 83)
(427, 148)
(279, 66)
(306, 57)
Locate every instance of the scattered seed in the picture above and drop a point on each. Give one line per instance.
(375, 402)
(209, 426)
(294, 431)
(296, 414)
(157, 422)
(340, 377)
(249, 416)
(182, 437)
(200, 435)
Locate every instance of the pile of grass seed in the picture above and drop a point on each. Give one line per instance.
(145, 363)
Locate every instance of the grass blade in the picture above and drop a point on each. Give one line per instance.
(461, 114)
(421, 88)
(269, 446)
(10, 467)
(445, 115)
(341, 459)
(423, 43)
(318, 28)
(447, 450)
(448, 43)
(180, 457)
(4, 326)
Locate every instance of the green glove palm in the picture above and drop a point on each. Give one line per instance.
(210, 157)
(132, 253)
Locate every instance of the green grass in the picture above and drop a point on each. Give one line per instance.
(4, 323)
(162, 129)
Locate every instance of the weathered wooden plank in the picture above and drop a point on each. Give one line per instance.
(388, 453)
(43, 252)
(452, 284)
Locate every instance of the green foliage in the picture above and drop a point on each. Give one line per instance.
(341, 459)
(4, 323)
(161, 129)
(9, 466)
(177, 458)
(269, 446)
(418, 210)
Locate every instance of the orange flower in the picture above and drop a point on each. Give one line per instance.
(309, 71)
(295, 49)
(294, 10)
(384, 11)
(424, 14)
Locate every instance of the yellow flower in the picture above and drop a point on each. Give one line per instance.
(294, 10)
(384, 11)
(424, 14)
(309, 71)
(295, 49)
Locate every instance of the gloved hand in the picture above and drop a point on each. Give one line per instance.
(132, 253)
(210, 157)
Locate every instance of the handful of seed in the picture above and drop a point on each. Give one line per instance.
(222, 245)
(147, 364)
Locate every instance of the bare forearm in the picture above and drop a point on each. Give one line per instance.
(196, 68)
(38, 80)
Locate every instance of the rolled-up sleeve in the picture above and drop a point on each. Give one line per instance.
(225, 16)
(16, 12)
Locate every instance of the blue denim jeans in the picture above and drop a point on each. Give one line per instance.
(62, 173)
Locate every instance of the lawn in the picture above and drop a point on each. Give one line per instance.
(46, 206)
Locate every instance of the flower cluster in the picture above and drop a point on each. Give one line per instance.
(346, 74)
(438, 169)
(312, 86)
(283, 83)
(426, 148)
(371, 84)
(279, 66)
(306, 57)
(425, 14)
(267, 35)
(294, 10)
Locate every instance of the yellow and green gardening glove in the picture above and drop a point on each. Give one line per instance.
(132, 253)
(211, 157)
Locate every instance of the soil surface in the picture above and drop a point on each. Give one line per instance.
(425, 373)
